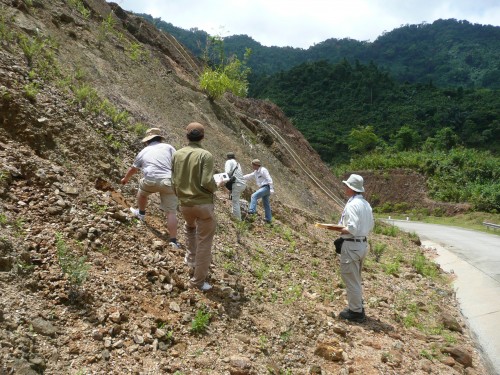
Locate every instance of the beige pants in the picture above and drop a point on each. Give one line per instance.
(168, 200)
(351, 264)
(200, 229)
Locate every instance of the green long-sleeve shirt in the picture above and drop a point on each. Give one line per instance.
(192, 175)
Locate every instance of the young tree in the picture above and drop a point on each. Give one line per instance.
(362, 140)
(222, 74)
(406, 139)
(444, 140)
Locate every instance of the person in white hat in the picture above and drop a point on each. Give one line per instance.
(357, 222)
(155, 161)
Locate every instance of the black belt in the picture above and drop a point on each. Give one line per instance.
(355, 239)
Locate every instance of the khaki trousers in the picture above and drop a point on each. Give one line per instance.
(200, 229)
(351, 264)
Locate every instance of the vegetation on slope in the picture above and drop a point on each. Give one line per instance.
(457, 175)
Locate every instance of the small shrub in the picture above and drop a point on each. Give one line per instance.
(263, 342)
(378, 250)
(242, 227)
(424, 266)
(200, 321)
(392, 268)
(31, 48)
(74, 267)
(6, 33)
(138, 128)
(99, 209)
(86, 95)
(136, 51)
(293, 293)
(106, 27)
(31, 91)
(391, 231)
(24, 267)
(80, 7)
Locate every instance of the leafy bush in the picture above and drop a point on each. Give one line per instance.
(200, 321)
(74, 267)
(222, 74)
(378, 250)
(424, 266)
(460, 175)
(80, 7)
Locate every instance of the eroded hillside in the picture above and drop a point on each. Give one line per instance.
(79, 83)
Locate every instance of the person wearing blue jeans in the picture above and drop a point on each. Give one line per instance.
(265, 183)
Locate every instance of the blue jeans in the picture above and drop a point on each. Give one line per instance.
(264, 192)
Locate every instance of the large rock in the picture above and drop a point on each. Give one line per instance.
(330, 351)
(459, 354)
(43, 327)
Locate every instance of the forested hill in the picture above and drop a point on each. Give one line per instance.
(448, 53)
(330, 103)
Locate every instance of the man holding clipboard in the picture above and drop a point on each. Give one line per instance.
(354, 225)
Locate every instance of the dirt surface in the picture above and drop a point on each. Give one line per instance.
(63, 215)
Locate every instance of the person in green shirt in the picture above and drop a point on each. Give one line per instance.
(194, 185)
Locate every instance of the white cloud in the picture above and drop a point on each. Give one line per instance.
(300, 23)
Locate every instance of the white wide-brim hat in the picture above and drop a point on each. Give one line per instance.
(355, 182)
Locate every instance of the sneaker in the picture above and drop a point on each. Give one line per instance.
(205, 287)
(358, 317)
(174, 245)
(188, 263)
(135, 212)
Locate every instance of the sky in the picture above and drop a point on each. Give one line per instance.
(304, 23)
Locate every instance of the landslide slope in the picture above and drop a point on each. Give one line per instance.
(86, 289)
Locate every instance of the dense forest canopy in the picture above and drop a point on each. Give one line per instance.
(327, 101)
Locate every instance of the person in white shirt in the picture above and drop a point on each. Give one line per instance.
(357, 222)
(233, 168)
(264, 191)
(155, 161)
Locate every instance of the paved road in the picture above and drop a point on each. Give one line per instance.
(474, 257)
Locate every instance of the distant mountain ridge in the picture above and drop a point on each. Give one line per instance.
(448, 53)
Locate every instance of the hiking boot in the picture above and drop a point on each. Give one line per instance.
(358, 317)
(204, 288)
(136, 213)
